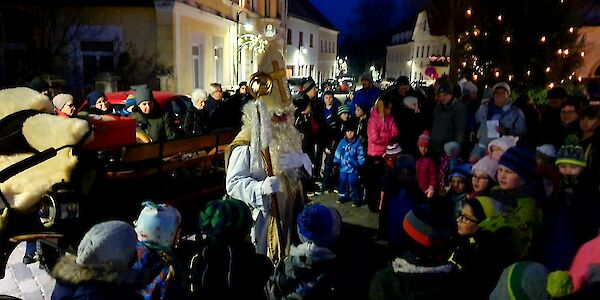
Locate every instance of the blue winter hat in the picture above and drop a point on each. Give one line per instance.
(462, 170)
(520, 160)
(319, 224)
(93, 97)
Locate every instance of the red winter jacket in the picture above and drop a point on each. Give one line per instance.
(380, 134)
(426, 173)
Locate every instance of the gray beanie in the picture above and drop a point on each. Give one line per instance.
(142, 94)
(112, 241)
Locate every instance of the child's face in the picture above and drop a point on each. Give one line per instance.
(457, 185)
(496, 152)
(359, 112)
(344, 117)
(350, 134)
(423, 150)
(588, 125)
(569, 169)
(466, 222)
(508, 179)
(328, 99)
(480, 181)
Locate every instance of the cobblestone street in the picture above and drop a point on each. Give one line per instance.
(27, 282)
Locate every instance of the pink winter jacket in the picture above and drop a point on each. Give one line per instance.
(426, 173)
(380, 134)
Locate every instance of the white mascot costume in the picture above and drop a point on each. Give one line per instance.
(268, 124)
(40, 131)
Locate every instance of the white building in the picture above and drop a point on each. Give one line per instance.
(413, 52)
(311, 42)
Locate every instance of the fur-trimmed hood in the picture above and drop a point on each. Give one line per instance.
(69, 272)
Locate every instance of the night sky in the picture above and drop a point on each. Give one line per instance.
(368, 23)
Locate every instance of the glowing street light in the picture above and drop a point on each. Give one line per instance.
(497, 74)
(469, 12)
(499, 18)
(543, 39)
(547, 69)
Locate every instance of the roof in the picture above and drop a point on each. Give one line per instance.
(305, 10)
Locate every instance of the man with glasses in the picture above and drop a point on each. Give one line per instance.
(569, 122)
(215, 98)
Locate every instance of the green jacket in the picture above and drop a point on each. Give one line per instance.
(159, 126)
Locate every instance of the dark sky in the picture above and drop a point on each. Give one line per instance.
(368, 23)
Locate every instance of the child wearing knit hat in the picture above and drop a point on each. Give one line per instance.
(517, 190)
(157, 229)
(498, 146)
(426, 166)
(522, 281)
(421, 269)
(227, 265)
(460, 185)
(309, 272)
(101, 269)
(449, 160)
(484, 177)
(578, 190)
(477, 255)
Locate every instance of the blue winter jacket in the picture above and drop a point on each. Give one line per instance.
(349, 155)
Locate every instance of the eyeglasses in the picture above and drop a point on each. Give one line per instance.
(464, 219)
(482, 178)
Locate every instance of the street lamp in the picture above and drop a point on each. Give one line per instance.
(247, 27)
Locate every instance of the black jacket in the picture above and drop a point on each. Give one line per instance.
(195, 121)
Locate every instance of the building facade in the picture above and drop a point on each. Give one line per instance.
(418, 54)
(311, 45)
(177, 45)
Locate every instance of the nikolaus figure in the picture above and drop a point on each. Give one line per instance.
(268, 124)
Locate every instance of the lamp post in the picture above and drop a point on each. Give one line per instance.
(248, 27)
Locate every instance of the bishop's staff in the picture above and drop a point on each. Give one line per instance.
(261, 84)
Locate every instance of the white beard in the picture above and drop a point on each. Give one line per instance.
(282, 137)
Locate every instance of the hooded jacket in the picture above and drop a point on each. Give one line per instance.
(98, 282)
(309, 272)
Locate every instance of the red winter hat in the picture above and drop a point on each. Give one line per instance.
(424, 139)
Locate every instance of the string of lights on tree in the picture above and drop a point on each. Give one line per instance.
(535, 47)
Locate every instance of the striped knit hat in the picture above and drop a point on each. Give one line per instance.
(226, 220)
(522, 281)
(427, 228)
(520, 160)
(571, 153)
(485, 207)
(319, 224)
(343, 109)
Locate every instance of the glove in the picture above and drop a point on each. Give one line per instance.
(271, 185)
(290, 160)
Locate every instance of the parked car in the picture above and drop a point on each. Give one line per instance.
(176, 105)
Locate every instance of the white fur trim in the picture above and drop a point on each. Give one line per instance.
(43, 131)
(22, 98)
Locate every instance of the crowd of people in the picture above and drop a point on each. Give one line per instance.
(208, 110)
(479, 195)
(468, 188)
